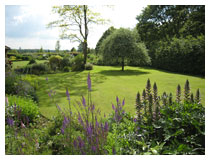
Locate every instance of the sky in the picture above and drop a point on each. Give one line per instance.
(25, 26)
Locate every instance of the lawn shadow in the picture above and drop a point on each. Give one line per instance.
(75, 82)
(127, 72)
(171, 72)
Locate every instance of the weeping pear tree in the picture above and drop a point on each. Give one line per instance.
(74, 22)
(123, 46)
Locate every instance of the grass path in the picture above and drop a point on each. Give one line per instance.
(107, 83)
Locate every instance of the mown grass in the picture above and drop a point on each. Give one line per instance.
(17, 64)
(107, 83)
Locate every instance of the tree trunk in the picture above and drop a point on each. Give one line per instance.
(86, 35)
(123, 64)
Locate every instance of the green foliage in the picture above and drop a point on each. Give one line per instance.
(66, 69)
(122, 45)
(36, 69)
(185, 55)
(55, 62)
(108, 32)
(77, 63)
(27, 106)
(32, 61)
(180, 126)
(88, 66)
(175, 37)
(65, 62)
(121, 138)
(12, 58)
(11, 80)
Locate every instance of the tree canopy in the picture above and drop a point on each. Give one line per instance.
(105, 34)
(173, 34)
(122, 45)
(74, 21)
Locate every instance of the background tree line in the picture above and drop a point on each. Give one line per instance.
(174, 37)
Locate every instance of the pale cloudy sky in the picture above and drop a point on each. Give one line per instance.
(25, 26)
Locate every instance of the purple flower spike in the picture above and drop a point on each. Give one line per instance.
(46, 79)
(89, 131)
(113, 151)
(93, 107)
(75, 144)
(62, 130)
(123, 102)
(81, 143)
(10, 121)
(93, 148)
(83, 101)
(106, 127)
(67, 94)
(89, 82)
(135, 120)
(58, 107)
(117, 99)
(113, 107)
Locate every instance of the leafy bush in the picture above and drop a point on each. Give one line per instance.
(12, 58)
(88, 66)
(26, 57)
(65, 62)
(66, 69)
(36, 69)
(180, 124)
(55, 62)
(11, 80)
(32, 61)
(185, 55)
(26, 106)
(78, 63)
(25, 89)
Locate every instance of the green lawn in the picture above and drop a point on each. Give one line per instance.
(16, 64)
(107, 83)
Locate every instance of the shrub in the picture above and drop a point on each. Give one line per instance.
(88, 66)
(25, 89)
(11, 79)
(78, 63)
(180, 124)
(32, 61)
(65, 62)
(66, 69)
(55, 62)
(26, 57)
(20, 107)
(36, 69)
(12, 58)
(40, 68)
(184, 55)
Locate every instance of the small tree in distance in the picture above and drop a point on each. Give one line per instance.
(122, 45)
(57, 46)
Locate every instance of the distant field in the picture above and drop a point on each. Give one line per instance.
(23, 63)
(107, 83)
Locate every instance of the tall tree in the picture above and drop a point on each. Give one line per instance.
(122, 45)
(105, 34)
(74, 21)
(57, 46)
